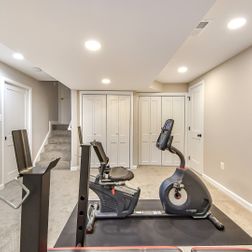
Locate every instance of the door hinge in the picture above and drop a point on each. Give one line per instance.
(189, 157)
(189, 98)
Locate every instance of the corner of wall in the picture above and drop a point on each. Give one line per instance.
(41, 149)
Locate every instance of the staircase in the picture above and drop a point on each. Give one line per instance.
(59, 145)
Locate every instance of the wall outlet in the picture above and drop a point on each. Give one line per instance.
(222, 165)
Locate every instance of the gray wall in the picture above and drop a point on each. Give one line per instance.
(44, 103)
(228, 124)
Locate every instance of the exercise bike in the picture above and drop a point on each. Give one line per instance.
(182, 194)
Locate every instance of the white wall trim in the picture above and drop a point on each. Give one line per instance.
(162, 94)
(106, 92)
(1, 186)
(41, 149)
(231, 194)
(133, 167)
(75, 168)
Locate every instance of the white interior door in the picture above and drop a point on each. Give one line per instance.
(167, 113)
(195, 134)
(112, 129)
(155, 128)
(174, 108)
(94, 121)
(16, 116)
(124, 131)
(178, 132)
(144, 128)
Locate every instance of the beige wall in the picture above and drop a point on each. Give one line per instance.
(228, 124)
(169, 87)
(44, 103)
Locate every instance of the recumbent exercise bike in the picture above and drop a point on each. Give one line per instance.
(182, 194)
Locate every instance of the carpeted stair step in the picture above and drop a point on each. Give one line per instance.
(50, 155)
(61, 133)
(59, 127)
(59, 139)
(61, 164)
(58, 147)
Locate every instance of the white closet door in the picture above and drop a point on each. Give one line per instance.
(155, 126)
(167, 157)
(144, 128)
(88, 121)
(94, 121)
(112, 129)
(173, 108)
(179, 126)
(124, 130)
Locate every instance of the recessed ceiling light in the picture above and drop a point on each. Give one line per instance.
(236, 23)
(106, 81)
(93, 45)
(182, 69)
(18, 56)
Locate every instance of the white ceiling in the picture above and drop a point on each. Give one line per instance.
(138, 37)
(214, 44)
(23, 65)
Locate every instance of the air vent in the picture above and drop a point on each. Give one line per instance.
(202, 25)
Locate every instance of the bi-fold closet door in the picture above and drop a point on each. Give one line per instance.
(153, 112)
(106, 118)
(174, 108)
(150, 124)
(94, 121)
(118, 129)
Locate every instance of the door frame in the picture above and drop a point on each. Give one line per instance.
(3, 82)
(128, 93)
(201, 82)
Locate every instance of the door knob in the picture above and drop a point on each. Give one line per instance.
(199, 135)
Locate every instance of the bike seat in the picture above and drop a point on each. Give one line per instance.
(120, 174)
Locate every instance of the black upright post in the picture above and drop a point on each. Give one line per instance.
(34, 216)
(83, 196)
(35, 208)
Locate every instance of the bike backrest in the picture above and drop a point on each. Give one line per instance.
(165, 138)
(22, 150)
(100, 152)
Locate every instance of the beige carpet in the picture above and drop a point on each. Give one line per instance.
(63, 197)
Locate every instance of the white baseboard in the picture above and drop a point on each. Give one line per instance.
(231, 194)
(41, 149)
(133, 167)
(75, 168)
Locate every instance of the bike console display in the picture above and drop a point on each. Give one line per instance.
(165, 139)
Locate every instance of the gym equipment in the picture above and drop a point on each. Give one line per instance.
(36, 186)
(183, 194)
(220, 249)
(124, 248)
